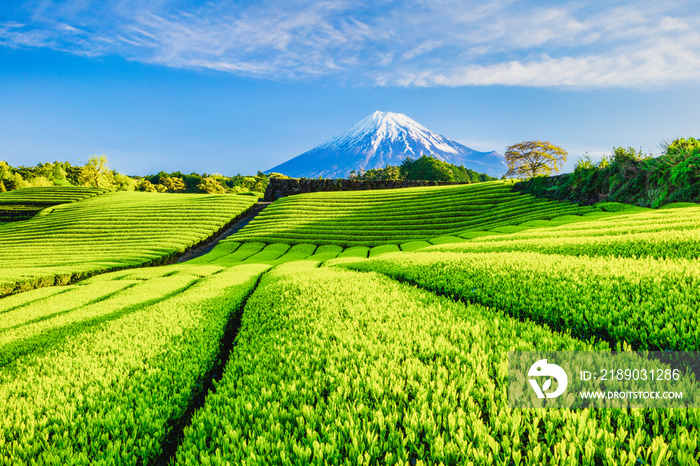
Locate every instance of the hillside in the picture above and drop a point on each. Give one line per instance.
(306, 342)
(394, 216)
(21, 204)
(114, 230)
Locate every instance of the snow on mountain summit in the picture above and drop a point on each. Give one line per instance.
(385, 138)
(387, 127)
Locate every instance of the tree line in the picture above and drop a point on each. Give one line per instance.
(96, 172)
(427, 168)
(628, 176)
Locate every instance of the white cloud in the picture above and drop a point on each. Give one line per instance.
(410, 43)
(425, 47)
(661, 63)
(673, 24)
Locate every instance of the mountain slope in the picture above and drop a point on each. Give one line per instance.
(385, 138)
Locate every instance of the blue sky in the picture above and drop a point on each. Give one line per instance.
(240, 86)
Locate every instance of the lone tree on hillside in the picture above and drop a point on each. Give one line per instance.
(532, 158)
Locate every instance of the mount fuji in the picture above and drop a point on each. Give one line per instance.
(385, 138)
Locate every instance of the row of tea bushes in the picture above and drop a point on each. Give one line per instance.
(111, 392)
(373, 218)
(649, 303)
(340, 367)
(111, 231)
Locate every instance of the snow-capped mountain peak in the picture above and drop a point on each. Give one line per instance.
(387, 128)
(385, 138)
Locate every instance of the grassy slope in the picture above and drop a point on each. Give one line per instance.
(113, 230)
(647, 303)
(97, 368)
(21, 204)
(48, 196)
(665, 233)
(312, 350)
(631, 267)
(375, 218)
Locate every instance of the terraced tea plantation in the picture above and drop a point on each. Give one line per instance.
(338, 367)
(114, 230)
(99, 373)
(342, 348)
(22, 204)
(47, 196)
(372, 218)
(669, 233)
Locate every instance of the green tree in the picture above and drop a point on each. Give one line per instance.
(5, 171)
(40, 181)
(210, 185)
(426, 168)
(383, 174)
(11, 179)
(58, 174)
(680, 148)
(532, 158)
(17, 182)
(173, 184)
(147, 186)
(261, 181)
(123, 182)
(683, 156)
(95, 172)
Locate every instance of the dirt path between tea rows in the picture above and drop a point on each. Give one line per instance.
(205, 247)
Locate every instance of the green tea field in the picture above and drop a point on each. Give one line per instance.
(22, 204)
(114, 230)
(438, 214)
(348, 328)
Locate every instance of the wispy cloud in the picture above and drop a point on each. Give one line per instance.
(425, 47)
(383, 42)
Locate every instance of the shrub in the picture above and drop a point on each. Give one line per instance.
(681, 147)
(147, 186)
(210, 185)
(621, 155)
(584, 163)
(630, 176)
